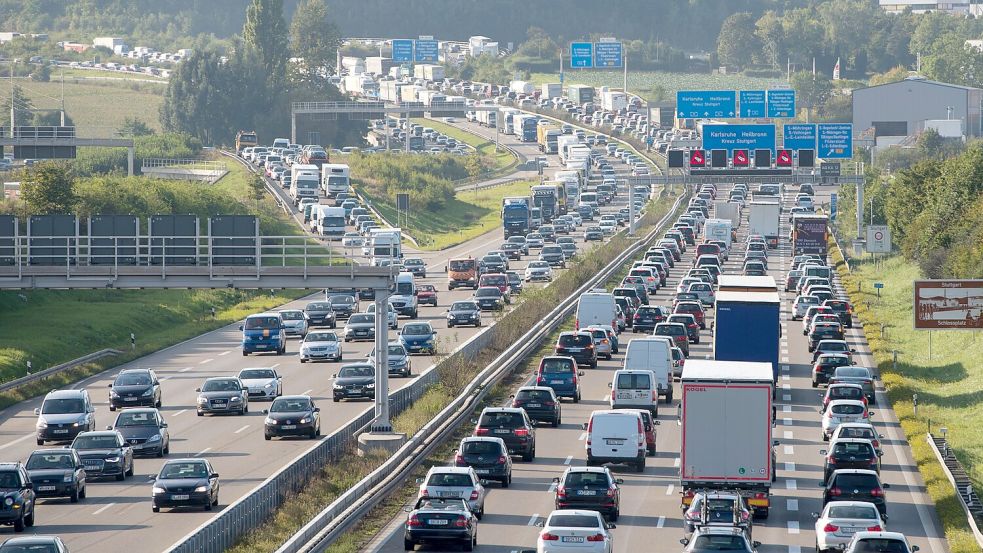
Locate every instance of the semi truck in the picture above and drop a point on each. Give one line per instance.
(809, 234)
(580, 93)
(516, 215)
(748, 327)
(245, 139)
(764, 220)
(509, 117)
(547, 137)
(335, 179)
(551, 90)
(305, 180)
(727, 420)
(544, 197)
(486, 118)
(522, 87)
(527, 127)
(563, 145)
(385, 244)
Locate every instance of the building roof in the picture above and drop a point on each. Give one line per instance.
(919, 80)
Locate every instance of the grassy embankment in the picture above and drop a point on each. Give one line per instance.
(949, 382)
(499, 163)
(98, 107)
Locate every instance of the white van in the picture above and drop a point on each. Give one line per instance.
(596, 308)
(328, 221)
(616, 437)
(403, 298)
(653, 353)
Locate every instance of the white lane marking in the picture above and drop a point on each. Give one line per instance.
(275, 365)
(785, 351)
(163, 378)
(786, 397)
(203, 361)
(675, 462)
(224, 353)
(784, 359)
(790, 484)
(17, 441)
(788, 435)
(789, 450)
(307, 392)
(786, 408)
(184, 370)
(533, 519)
(604, 397)
(202, 452)
(786, 387)
(785, 368)
(178, 412)
(241, 429)
(670, 488)
(792, 505)
(583, 437)
(661, 522)
(786, 377)
(789, 466)
(568, 459)
(101, 509)
(552, 487)
(793, 527)
(786, 421)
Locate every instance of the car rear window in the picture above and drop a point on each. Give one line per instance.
(847, 409)
(541, 395)
(573, 521)
(586, 480)
(633, 381)
(574, 340)
(846, 392)
(670, 330)
(482, 448)
(858, 449)
(880, 545)
(554, 366)
(851, 372)
(454, 479)
(852, 432)
(501, 419)
(856, 481)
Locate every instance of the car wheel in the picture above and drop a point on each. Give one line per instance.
(615, 515)
(208, 506)
(556, 422)
(200, 414)
(167, 448)
(468, 545)
(74, 498)
(244, 354)
(302, 360)
(120, 477)
(640, 465)
(408, 545)
(112, 407)
(267, 437)
(155, 508)
(815, 384)
(334, 399)
(40, 442)
(507, 481)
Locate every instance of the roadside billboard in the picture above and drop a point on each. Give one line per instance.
(948, 304)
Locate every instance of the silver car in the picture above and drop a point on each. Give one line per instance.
(398, 358)
(320, 345)
(262, 383)
(840, 520)
(391, 312)
(294, 322)
(455, 482)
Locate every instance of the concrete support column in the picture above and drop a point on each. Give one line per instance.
(381, 422)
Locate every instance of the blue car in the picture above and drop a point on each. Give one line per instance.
(418, 338)
(560, 373)
(264, 332)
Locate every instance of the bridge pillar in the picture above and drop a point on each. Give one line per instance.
(130, 152)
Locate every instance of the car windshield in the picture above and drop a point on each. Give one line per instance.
(133, 379)
(104, 441)
(633, 381)
(184, 470)
(50, 460)
(426, 288)
(262, 323)
(573, 521)
(670, 330)
(396, 351)
(221, 385)
(416, 330)
(357, 371)
(538, 265)
(833, 346)
(488, 293)
(482, 447)
(318, 306)
(321, 337)
(63, 406)
(136, 418)
(852, 511)
(290, 405)
(9, 480)
(342, 300)
(361, 318)
(847, 409)
(256, 374)
(494, 280)
(463, 306)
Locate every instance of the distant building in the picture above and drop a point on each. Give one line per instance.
(116, 44)
(74, 47)
(956, 7)
(905, 108)
(8, 36)
(478, 45)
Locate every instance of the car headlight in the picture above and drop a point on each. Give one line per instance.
(114, 459)
(112, 393)
(148, 393)
(370, 386)
(154, 438)
(42, 424)
(236, 398)
(8, 501)
(305, 420)
(268, 386)
(202, 400)
(339, 387)
(201, 489)
(269, 421)
(68, 478)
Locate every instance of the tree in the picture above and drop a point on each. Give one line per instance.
(770, 32)
(134, 126)
(930, 143)
(48, 188)
(737, 43)
(813, 91)
(42, 74)
(891, 76)
(258, 188)
(315, 39)
(266, 31)
(474, 165)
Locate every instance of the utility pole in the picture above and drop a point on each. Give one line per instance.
(13, 110)
(62, 97)
(625, 62)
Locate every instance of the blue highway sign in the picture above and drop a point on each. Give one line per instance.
(752, 104)
(582, 54)
(402, 50)
(739, 137)
(799, 137)
(692, 104)
(426, 51)
(781, 103)
(608, 54)
(835, 141)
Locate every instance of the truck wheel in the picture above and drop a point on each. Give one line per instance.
(640, 465)
(669, 397)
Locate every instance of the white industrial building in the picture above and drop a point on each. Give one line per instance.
(956, 7)
(478, 45)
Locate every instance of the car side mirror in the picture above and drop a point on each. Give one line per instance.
(334, 376)
(198, 390)
(37, 410)
(870, 413)
(656, 423)
(823, 452)
(913, 547)
(512, 396)
(609, 384)
(581, 373)
(756, 544)
(611, 526)
(163, 425)
(474, 421)
(853, 350)
(881, 436)
(419, 480)
(775, 443)
(240, 327)
(684, 541)
(886, 486)
(317, 409)
(110, 385)
(110, 427)
(266, 411)
(407, 509)
(884, 518)
(29, 485)
(584, 426)
(483, 482)
(815, 515)
(540, 523)
(214, 475)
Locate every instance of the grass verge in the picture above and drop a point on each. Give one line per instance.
(468, 215)
(455, 373)
(948, 383)
(98, 107)
(499, 163)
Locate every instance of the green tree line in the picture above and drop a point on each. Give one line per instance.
(427, 179)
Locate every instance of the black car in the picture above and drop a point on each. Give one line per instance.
(826, 365)
(343, 305)
(589, 488)
(489, 298)
(491, 264)
(579, 345)
(17, 493)
(647, 317)
(824, 331)
(488, 456)
(438, 521)
(626, 307)
(540, 403)
(321, 313)
(104, 453)
(512, 426)
(638, 283)
(223, 395)
(416, 266)
(354, 381)
(145, 431)
(850, 453)
(553, 255)
(464, 313)
(843, 311)
(593, 233)
(512, 250)
(186, 483)
(515, 282)
(856, 485)
(134, 388)
(57, 473)
(292, 416)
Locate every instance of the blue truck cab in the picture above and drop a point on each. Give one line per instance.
(748, 327)
(264, 332)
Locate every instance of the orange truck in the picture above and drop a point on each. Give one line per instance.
(462, 272)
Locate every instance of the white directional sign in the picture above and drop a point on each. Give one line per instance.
(878, 239)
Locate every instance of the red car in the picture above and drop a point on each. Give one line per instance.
(499, 280)
(426, 294)
(695, 309)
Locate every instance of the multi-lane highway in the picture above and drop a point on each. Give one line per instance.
(117, 515)
(650, 509)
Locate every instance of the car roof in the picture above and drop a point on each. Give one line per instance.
(450, 470)
(297, 396)
(844, 385)
(855, 471)
(502, 410)
(99, 433)
(598, 470)
(898, 536)
(57, 394)
(483, 439)
(850, 441)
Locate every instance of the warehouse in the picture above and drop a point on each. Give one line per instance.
(902, 108)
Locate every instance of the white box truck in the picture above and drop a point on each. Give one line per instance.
(385, 244)
(764, 220)
(718, 229)
(728, 210)
(335, 179)
(551, 90)
(521, 87)
(305, 180)
(487, 118)
(652, 353)
(727, 419)
(614, 100)
(596, 308)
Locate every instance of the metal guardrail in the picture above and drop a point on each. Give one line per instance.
(337, 517)
(51, 371)
(968, 498)
(206, 164)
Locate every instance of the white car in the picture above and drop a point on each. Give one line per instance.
(352, 240)
(455, 482)
(842, 411)
(703, 291)
(294, 322)
(895, 542)
(608, 228)
(320, 345)
(534, 240)
(538, 270)
(840, 520)
(391, 315)
(801, 305)
(573, 530)
(262, 383)
(685, 283)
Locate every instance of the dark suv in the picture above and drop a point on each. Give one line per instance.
(540, 402)
(856, 485)
(17, 494)
(677, 332)
(647, 317)
(512, 426)
(850, 453)
(560, 374)
(826, 365)
(842, 310)
(134, 388)
(589, 488)
(824, 331)
(579, 345)
(488, 456)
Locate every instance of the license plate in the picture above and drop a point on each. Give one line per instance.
(61, 431)
(219, 403)
(535, 405)
(129, 399)
(288, 427)
(610, 441)
(625, 395)
(482, 471)
(556, 381)
(180, 497)
(575, 350)
(586, 492)
(448, 494)
(572, 539)
(46, 488)
(502, 431)
(437, 522)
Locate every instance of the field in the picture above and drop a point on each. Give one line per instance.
(659, 85)
(502, 161)
(468, 215)
(946, 375)
(97, 107)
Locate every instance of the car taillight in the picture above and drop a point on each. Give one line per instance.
(835, 491)
(503, 459)
(830, 528)
(596, 538)
(414, 521)
(877, 492)
(461, 522)
(611, 491)
(546, 536)
(553, 403)
(876, 444)
(561, 492)
(480, 431)
(761, 495)
(574, 381)
(424, 492)
(655, 396)
(874, 528)
(576, 323)
(590, 425)
(638, 317)
(540, 380)
(604, 340)
(521, 432)
(591, 346)
(474, 495)
(459, 459)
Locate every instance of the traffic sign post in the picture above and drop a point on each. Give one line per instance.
(752, 104)
(582, 55)
(878, 239)
(692, 104)
(608, 53)
(799, 137)
(426, 50)
(738, 137)
(832, 206)
(781, 103)
(835, 140)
